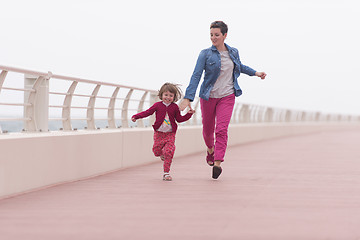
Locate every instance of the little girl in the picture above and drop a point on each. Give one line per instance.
(165, 125)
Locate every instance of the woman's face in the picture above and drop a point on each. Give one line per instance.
(217, 38)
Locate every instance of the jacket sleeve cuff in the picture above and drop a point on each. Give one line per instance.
(187, 96)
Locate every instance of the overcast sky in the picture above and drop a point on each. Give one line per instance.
(309, 48)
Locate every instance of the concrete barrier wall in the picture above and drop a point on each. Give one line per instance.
(33, 161)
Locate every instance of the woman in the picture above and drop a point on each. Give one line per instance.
(222, 67)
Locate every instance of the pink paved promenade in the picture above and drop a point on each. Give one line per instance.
(305, 187)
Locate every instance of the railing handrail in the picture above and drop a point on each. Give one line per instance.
(36, 112)
(36, 85)
(24, 71)
(62, 77)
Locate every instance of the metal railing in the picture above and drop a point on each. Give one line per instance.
(49, 97)
(120, 101)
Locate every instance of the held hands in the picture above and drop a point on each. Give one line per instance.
(185, 103)
(261, 75)
(192, 111)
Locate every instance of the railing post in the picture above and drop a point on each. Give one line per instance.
(269, 115)
(339, 118)
(235, 115)
(303, 116)
(328, 117)
(153, 99)
(91, 111)
(287, 116)
(37, 103)
(2, 78)
(253, 110)
(140, 109)
(244, 114)
(66, 111)
(260, 114)
(124, 112)
(111, 111)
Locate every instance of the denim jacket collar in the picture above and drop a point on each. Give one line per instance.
(227, 46)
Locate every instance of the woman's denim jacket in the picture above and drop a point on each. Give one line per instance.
(210, 61)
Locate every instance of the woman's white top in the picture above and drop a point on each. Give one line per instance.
(224, 85)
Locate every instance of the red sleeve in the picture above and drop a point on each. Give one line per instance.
(146, 113)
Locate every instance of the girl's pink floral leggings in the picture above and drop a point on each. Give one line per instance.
(164, 144)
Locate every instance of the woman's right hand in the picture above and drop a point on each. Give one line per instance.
(261, 75)
(184, 103)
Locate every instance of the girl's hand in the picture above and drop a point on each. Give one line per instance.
(261, 75)
(184, 103)
(191, 111)
(133, 119)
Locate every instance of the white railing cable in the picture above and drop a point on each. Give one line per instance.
(16, 104)
(15, 119)
(18, 89)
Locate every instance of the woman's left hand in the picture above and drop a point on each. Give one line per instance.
(185, 103)
(261, 75)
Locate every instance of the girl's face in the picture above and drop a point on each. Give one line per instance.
(167, 97)
(217, 38)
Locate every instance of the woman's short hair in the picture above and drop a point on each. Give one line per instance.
(220, 24)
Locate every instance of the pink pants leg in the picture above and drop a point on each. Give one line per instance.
(216, 114)
(164, 144)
